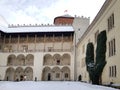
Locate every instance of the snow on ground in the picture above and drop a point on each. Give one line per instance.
(51, 85)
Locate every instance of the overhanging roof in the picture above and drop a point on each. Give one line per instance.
(34, 29)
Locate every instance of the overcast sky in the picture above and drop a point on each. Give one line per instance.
(44, 11)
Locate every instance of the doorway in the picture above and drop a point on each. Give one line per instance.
(49, 76)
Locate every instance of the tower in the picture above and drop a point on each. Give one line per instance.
(64, 20)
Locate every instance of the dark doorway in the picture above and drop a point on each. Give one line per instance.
(49, 76)
(79, 78)
(58, 62)
(21, 78)
(7, 78)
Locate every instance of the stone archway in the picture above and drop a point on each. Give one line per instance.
(28, 73)
(9, 74)
(11, 60)
(29, 59)
(57, 59)
(46, 74)
(56, 74)
(21, 60)
(19, 74)
(48, 59)
(65, 73)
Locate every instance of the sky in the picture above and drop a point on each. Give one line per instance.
(44, 11)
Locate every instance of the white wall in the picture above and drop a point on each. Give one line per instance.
(101, 25)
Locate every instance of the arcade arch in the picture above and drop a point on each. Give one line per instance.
(57, 59)
(11, 60)
(65, 73)
(28, 73)
(29, 59)
(48, 59)
(56, 74)
(21, 60)
(46, 76)
(19, 74)
(9, 74)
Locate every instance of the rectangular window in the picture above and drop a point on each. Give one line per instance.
(112, 47)
(109, 49)
(96, 35)
(25, 48)
(66, 75)
(50, 49)
(111, 22)
(115, 71)
(57, 75)
(112, 71)
(109, 71)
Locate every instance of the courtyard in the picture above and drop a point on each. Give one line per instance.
(50, 85)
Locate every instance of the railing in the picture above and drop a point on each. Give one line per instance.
(16, 66)
(38, 50)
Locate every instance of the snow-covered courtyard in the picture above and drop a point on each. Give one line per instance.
(51, 85)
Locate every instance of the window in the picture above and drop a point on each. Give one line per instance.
(112, 71)
(112, 47)
(115, 71)
(50, 49)
(111, 22)
(10, 48)
(58, 62)
(66, 75)
(96, 35)
(25, 48)
(57, 75)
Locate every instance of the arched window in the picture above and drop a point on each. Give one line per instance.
(10, 74)
(11, 60)
(28, 72)
(21, 60)
(29, 59)
(65, 73)
(19, 74)
(66, 59)
(48, 59)
(46, 74)
(56, 74)
(57, 59)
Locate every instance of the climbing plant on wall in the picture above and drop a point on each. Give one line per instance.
(100, 56)
(95, 69)
(90, 60)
